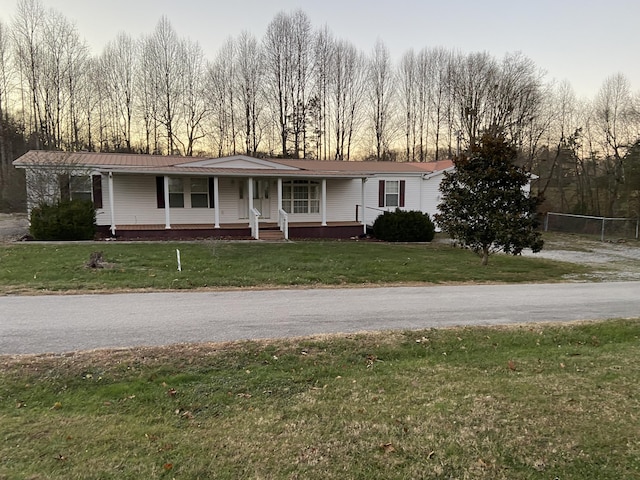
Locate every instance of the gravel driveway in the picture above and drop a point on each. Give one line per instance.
(611, 261)
(13, 226)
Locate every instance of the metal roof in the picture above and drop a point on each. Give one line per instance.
(264, 167)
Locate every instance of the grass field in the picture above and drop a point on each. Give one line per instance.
(524, 402)
(521, 402)
(38, 267)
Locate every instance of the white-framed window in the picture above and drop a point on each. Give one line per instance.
(176, 193)
(301, 196)
(80, 187)
(392, 193)
(199, 192)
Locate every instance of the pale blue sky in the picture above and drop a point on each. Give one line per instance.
(583, 42)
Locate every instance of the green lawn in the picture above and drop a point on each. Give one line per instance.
(529, 402)
(36, 267)
(526, 402)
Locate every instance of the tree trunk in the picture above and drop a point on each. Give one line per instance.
(485, 256)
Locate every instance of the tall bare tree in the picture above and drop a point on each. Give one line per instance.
(162, 50)
(5, 79)
(380, 90)
(320, 104)
(287, 49)
(249, 74)
(194, 106)
(117, 68)
(220, 94)
(615, 117)
(347, 87)
(28, 32)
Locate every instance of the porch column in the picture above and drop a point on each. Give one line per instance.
(111, 205)
(364, 223)
(279, 196)
(250, 199)
(324, 202)
(216, 204)
(167, 214)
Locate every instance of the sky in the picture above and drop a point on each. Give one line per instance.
(580, 41)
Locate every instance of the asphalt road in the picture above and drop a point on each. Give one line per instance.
(80, 322)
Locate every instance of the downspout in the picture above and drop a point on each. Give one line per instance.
(111, 205)
(364, 222)
(216, 204)
(167, 214)
(250, 199)
(324, 202)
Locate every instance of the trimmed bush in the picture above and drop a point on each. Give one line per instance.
(404, 226)
(70, 220)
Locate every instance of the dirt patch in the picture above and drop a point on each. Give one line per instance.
(13, 226)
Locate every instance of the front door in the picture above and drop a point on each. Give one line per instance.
(261, 199)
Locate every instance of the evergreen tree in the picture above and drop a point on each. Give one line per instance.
(486, 205)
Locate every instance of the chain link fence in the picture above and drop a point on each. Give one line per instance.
(609, 229)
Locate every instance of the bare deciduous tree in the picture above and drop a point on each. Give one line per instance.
(380, 95)
(249, 75)
(117, 69)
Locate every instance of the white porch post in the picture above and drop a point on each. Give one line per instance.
(167, 214)
(364, 223)
(324, 202)
(250, 195)
(111, 205)
(279, 195)
(216, 204)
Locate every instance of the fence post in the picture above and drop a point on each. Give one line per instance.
(546, 222)
(602, 234)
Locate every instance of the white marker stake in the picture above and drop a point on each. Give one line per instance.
(179, 264)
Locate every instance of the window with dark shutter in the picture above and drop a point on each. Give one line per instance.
(402, 187)
(160, 191)
(63, 183)
(96, 184)
(381, 193)
(212, 203)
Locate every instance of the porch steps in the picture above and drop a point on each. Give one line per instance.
(271, 234)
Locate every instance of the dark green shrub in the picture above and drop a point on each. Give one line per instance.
(70, 220)
(404, 226)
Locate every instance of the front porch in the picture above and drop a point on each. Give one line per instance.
(238, 231)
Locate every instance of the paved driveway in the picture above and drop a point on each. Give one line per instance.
(78, 322)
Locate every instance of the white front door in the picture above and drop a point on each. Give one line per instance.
(261, 199)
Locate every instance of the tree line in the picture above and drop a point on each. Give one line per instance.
(301, 92)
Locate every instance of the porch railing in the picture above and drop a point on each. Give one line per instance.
(283, 223)
(371, 213)
(254, 222)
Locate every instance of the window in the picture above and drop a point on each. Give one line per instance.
(391, 193)
(301, 196)
(80, 187)
(199, 193)
(176, 193)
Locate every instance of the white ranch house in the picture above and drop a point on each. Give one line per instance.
(152, 196)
